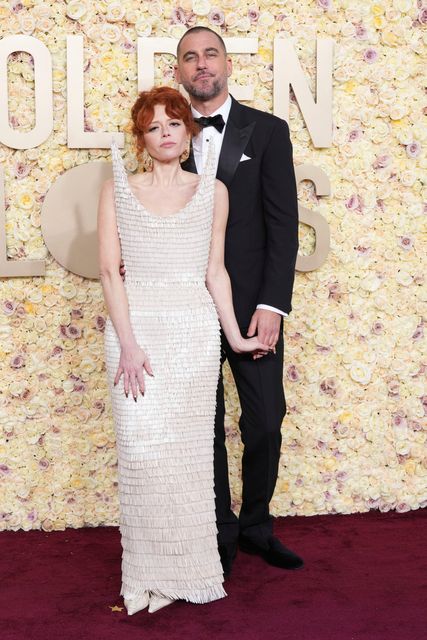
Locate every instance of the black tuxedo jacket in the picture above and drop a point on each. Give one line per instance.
(261, 240)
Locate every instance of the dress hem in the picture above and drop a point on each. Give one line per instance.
(200, 597)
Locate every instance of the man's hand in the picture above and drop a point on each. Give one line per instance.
(122, 270)
(266, 324)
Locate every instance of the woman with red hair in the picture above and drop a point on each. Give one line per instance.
(162, 346)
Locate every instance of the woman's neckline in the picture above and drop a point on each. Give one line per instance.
(159, 215)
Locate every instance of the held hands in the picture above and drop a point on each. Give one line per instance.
(266, 325)
(133, 361)
(252, 345)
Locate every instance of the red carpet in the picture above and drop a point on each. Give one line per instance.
(364, 579)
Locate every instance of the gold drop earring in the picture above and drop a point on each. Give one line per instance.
(146, 161)
(185, 154)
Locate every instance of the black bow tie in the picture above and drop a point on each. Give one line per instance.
(211, 121)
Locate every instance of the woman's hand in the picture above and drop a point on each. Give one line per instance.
(254, 346)
(133, 361)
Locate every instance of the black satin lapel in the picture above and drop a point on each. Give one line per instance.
(233, 146)
(190, 164)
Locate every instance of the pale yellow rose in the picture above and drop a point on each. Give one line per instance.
(68, 345)
(5, 12)
(27, 23)
(132, 14)
(389, 38)
(377, 9)
(26, 200)
(115, 11)
(87, 366)
(99, 439)
(67, 290)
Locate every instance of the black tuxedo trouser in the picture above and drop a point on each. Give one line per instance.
(259, 385)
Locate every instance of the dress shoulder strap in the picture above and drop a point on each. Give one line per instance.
(121, 189)
(208, 174)
(119, 171)
(209, 170)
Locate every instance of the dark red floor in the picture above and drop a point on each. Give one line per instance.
(364, 579)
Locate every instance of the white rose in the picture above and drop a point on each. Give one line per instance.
(371, 282)
(201, 7)
(348, 30)
(68, 386)
(176, 31)
(110, 33)
(403, 5)
(407, 178)
(398, 111)
(266, 75)
(402, 448)
(35, 295)
(40, 325)
(244, 24)
(360, 372)
(143, 27)
(266, 19)
(76, 9)
(404, 278)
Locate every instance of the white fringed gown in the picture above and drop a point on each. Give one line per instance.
(165, 440)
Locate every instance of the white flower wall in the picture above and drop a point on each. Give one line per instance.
(354, 436)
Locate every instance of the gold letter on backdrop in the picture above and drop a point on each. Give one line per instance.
(12, 268)
(147, 47)
(69, 217)
(42, 88)
(288, 72)
(323, 188)
(78, 138)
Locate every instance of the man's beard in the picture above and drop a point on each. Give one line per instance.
(205, 94)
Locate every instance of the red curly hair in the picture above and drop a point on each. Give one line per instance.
(143, 111)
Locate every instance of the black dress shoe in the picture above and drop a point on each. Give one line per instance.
(227, 553)
(273, 552)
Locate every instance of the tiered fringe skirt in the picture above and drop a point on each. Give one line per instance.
(165, 454)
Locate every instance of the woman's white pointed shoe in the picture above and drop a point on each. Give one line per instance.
(158, 602)
(137, 603)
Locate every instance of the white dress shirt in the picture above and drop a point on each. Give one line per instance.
(200, 150)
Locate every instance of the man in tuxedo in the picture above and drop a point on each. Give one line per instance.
(254, 155)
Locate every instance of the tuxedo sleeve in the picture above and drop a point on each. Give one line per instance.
(280, 209)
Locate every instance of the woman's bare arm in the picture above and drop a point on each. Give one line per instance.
(133, 359)
(218, 280)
